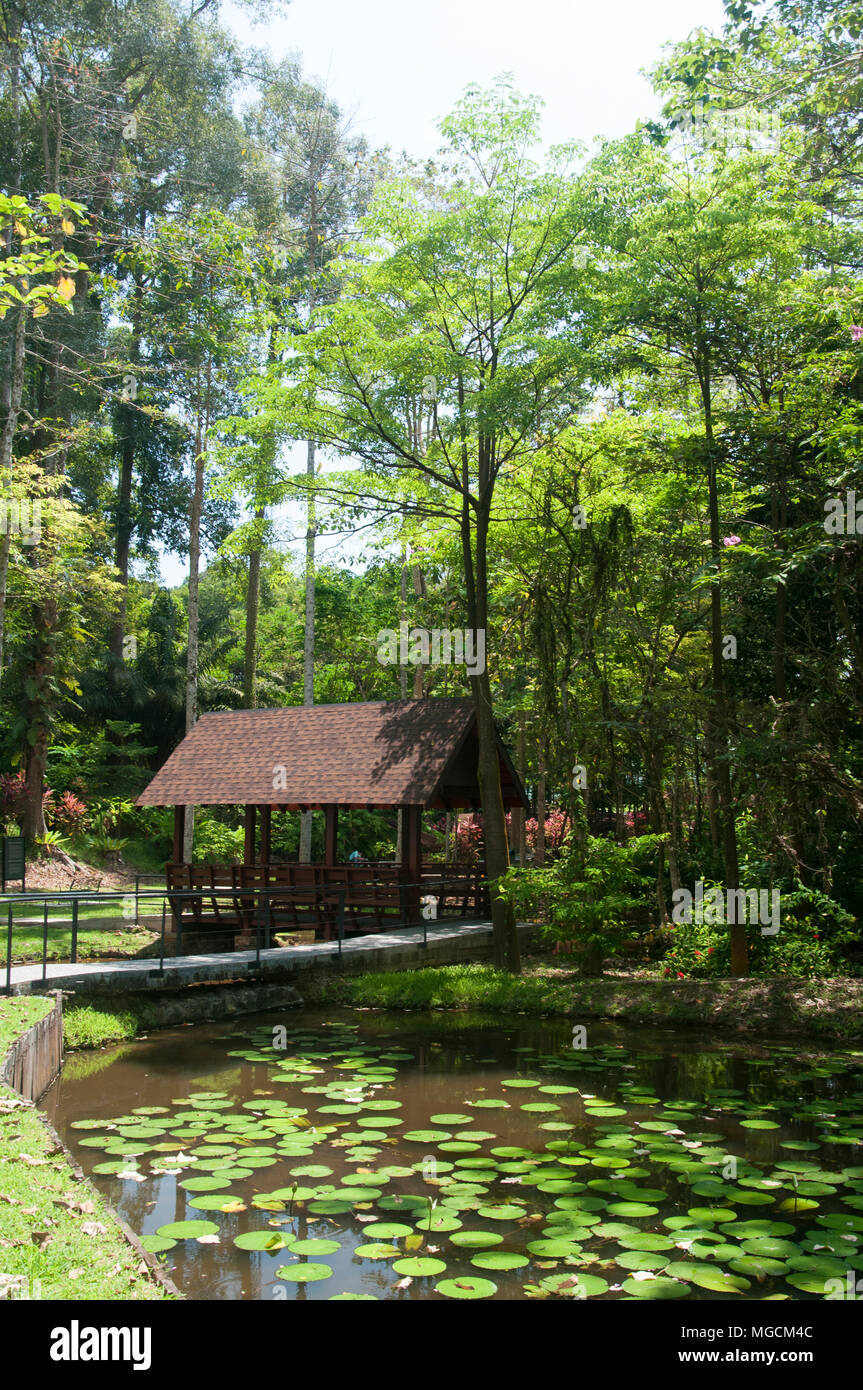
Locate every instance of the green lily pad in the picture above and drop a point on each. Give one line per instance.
(499, 1259)
(573, 1284)
(552, 1248)
(187, 1230)
(475, 1240)
(419, 1266)
(387, 1230)
(761, 1266)
(439, 1221)
(261, 1240)
(658, 1288)
(313, 1247)
(156, 1244)
(467, 1286)
(304, 1273)
(641, 1259)
(506, 1211)
(717, 1280)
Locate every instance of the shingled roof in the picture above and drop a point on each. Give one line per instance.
(378, 754)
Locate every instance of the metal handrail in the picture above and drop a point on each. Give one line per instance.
(261, 907)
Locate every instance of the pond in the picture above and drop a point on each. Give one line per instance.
(379, 1156)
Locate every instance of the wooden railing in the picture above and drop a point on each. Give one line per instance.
(373, 896)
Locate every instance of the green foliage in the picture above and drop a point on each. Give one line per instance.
(591, 898)
(814, 937)
(215, 842)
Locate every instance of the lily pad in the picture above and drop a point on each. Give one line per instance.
(419, 1266)
(499, 1259)
(304, 1273)
(467, 1286)
(261, 1240)
(187, 1230)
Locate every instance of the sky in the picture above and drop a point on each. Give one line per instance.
(398, 66)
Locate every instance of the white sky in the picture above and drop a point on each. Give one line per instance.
(398, 66)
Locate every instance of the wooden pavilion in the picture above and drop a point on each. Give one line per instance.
(405, 755)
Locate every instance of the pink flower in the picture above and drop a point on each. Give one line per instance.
(856, 332)
(731, 540)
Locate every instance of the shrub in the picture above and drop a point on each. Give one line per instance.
(590, 898)
(67, 814)
(814, 935)
(215, 842)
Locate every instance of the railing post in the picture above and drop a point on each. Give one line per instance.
(45, 941)
(340, 919)
(162, 951)
(9, 952)
(75, 932)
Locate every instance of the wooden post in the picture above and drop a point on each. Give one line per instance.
(266, 834)
(412, 858)
(179, 826)
(177, 857)
(247, 916)
(331, 835)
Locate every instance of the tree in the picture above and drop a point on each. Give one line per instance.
(457, 306)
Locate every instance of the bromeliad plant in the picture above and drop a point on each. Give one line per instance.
(590, 897)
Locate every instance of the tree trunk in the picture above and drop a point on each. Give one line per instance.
(305, 854)
(253, 599)
(194, 576)
(505, 932)
(719, 712)
(13, 390)
(539, 850)
(305, 851)
(124, 490)
(519, 815)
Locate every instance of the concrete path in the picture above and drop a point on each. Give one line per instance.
(401, 948)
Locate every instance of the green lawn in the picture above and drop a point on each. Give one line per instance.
(92, 945)
(19, 1013)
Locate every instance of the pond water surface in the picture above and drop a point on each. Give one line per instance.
(410, 1156)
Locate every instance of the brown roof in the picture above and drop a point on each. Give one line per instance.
(383, 753)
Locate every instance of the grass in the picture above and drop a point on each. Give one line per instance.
(92, 945)
(57, 1235)
(97, 1025)
(831, 1010)
(18, 1013)
(449, 987)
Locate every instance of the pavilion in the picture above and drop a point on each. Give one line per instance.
(405, 755)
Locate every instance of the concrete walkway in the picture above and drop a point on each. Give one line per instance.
(399, 949)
